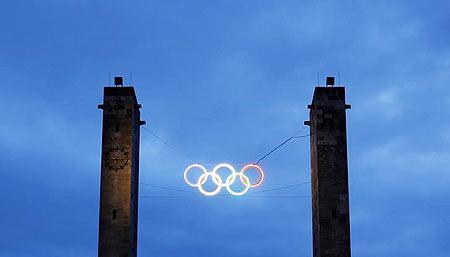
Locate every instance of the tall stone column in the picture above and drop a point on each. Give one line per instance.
(119, 173)
(329, 173)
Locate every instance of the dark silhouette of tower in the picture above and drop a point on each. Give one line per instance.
(329, 172)
(119, 172)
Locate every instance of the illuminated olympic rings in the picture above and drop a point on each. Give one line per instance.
(219, 182)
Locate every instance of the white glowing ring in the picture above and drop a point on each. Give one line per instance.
(203, 169)
(227, 166)
(261, 177)
(204, 177)
(233, 177)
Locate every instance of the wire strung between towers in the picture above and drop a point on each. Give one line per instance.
(190, 195)
(166, 188)
(225, 196)
(284, 142)
(159, 138)
(166, 144)
(295, 136)
(281, 188)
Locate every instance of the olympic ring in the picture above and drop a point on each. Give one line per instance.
(204, 177)
(203, 169)
(224, 165)
(219, 182)
(233, 177)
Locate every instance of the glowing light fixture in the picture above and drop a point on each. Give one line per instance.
(219, 182)
(261, 173)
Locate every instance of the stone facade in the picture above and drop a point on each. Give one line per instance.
(119, 173)
(329, 173)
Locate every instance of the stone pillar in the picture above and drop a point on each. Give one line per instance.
(329, 173)
(119, 173)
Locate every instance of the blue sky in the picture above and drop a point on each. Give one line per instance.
(225, 81)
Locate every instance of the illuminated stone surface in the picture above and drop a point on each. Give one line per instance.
(119, 173)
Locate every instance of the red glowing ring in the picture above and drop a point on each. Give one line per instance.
(259, 169)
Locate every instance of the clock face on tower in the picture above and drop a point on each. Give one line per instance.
(117, 158)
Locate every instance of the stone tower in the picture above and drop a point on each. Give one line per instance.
(119, 173)
(329, 172)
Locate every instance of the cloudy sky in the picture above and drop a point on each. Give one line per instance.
(225, 81)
